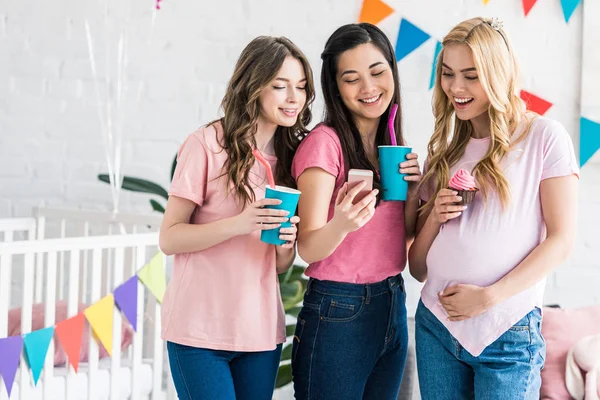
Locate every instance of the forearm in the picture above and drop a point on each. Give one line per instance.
(411, 210)
(316, 245)
(188, 238)
(417, 254)
(538, 264)
(284, 258)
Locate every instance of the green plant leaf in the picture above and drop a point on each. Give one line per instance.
(290, 330)
(293, 312)
(286, 354)
(173, 166)
(156, 206)
(291, 294)
(284, 375)
(139, 185)
(285, 276)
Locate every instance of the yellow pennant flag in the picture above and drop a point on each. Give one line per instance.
(100, 317)
(485, 1)
(153, 276)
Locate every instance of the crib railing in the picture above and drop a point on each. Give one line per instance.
(17, 228)
(121, 255)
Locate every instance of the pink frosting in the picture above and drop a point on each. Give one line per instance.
(462, 180)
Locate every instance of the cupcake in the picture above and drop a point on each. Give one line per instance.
(464, 183)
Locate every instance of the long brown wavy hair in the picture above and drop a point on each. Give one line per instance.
(338, 116)
(257, 66)
(497, 70)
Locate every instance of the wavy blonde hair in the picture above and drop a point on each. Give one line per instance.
(497, 70)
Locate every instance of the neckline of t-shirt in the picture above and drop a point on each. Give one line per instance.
(480, 140)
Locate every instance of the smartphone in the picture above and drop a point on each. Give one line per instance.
(355, 176)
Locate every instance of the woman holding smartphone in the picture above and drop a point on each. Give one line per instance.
(352, 326)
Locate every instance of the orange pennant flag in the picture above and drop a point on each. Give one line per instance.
(100, 317)
(374, 11)
(69, 334)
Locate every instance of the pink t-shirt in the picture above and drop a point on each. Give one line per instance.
(372, 253)
(227, 296)
(486, 242)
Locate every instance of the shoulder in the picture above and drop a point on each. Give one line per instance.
(544, 129)
(321, 135)
(207, 137)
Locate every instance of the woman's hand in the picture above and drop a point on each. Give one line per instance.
(256, 217)
(445, 207)
(349, 217)
(412, 170)
(289, 234)
(465, 301)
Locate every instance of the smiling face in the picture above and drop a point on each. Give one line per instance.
(365, 82)
(460, 82)
(285, 96)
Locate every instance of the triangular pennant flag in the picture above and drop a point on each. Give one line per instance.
(100, 317)
(569, 7)
(486, 1)
(126, 297)
(410, 37)
(36, 348)
(373, 11)
(69, 334)
(153, 276)
(438, 48)
(527, 5)
(10, 349)
(589, 139)
(534, 103)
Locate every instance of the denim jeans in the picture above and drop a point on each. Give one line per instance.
(350, 341)
(204, 374)
(507, 369)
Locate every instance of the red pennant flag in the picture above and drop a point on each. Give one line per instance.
(527, 5)
(69, 334)
(374, 11)
(535, 103)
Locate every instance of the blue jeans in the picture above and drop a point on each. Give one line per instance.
(509, 368)
(351, 341)
(204, 374)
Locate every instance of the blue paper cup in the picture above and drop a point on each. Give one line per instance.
(394, 185)
(289, 201)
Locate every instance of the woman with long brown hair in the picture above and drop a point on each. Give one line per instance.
(222, 314)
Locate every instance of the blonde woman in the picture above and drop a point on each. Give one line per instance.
(478, 322)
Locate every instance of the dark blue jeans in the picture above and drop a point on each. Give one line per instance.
(351, 341)
(204, 374)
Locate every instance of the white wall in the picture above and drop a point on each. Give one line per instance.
(50, 139)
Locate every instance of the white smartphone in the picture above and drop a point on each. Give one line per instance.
(355, 176)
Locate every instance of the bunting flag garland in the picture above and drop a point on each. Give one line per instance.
(568, 7)
(528, 5)
(436, 53)
(374, 11)
(126, 298)
(36, 347)
(410, 37)
(100, 317)
(535, 103)
(153, 276)
(486, 1)
(69, 333)
(589, 139)
(10, 348)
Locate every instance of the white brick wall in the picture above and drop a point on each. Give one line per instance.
(50, 142)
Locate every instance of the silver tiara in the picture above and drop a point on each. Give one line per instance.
(496, 24)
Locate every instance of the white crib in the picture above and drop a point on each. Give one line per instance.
(95, 252)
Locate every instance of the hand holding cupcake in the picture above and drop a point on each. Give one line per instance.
(464, 183)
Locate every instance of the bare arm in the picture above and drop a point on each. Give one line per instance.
(317, 238)
(411, 206)
(178, 235)
(428, 227)
(286, 253)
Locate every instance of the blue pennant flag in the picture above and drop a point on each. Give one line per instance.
(36, 348)
(438, 48)
(410, 37)
(569, 7)
(589, 139)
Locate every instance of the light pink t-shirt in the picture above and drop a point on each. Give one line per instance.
(370, 254)
(227, 296)
(486, 242)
